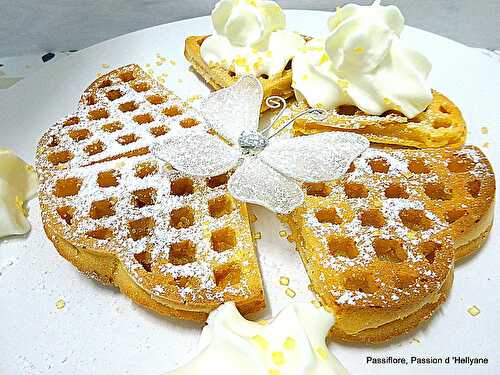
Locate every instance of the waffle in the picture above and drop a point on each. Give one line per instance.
(440, 125)
(219, 77)
(173, 243)
(379, 244)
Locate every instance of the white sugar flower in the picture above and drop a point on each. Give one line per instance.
(266, 171)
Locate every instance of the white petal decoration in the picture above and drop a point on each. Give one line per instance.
(255, 182)
(235, 109)
(314, 158)
(197, 154)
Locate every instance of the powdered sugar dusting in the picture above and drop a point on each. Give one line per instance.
(128, 202)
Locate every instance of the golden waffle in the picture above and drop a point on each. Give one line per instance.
(176, 244)
(440, 125)
(219, 77)
(379, 244)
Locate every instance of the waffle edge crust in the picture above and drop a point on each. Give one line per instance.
(440, 125)
(380, 244)
(176, 244)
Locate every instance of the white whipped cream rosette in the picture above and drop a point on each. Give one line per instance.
(362, 62)
(250, 38)
(293, 343)
(18, 183)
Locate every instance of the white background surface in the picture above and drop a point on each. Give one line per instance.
(30, 26)
(99, 331)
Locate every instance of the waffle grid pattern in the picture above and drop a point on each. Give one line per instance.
(383, 235)
(182, 238)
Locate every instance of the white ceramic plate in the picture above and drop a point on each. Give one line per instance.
(99, 331)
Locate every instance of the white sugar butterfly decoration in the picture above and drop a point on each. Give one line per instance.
(267, 170)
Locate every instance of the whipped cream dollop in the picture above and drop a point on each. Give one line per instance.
(250, 38)
(18, 183)
(362, 62)
(293, 343)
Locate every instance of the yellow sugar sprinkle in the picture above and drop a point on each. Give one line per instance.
(274, 372)
(473, 310)
(269, 53)
(305, 77)
(284, 280)
(194, 98)
(253, 218)
(343, 83)
(105, 66)
(29, 168)
(484, 130)
(148, 65)
(60, 304)
(486, 144)
(283, 234)
(260, 341)
(289, 343)
(324, 59)
(359, 50)
(258, 63)
(240, 60)
(150, 72)
(262, 322)
(251, 2)
(407, 174)
(316, 303)
(278, 358)
(159, 63)
(173, 62)
(377, 232)
(290, 292)
(20, 205)
(98, 75)
(257, 236)
(322, 352)
(411, 235)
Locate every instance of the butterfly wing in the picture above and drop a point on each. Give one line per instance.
(197, 154)
(235, 109)
(255, 182)
(315, 158)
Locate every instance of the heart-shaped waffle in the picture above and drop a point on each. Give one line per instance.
(379, 244)
(177, 244)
